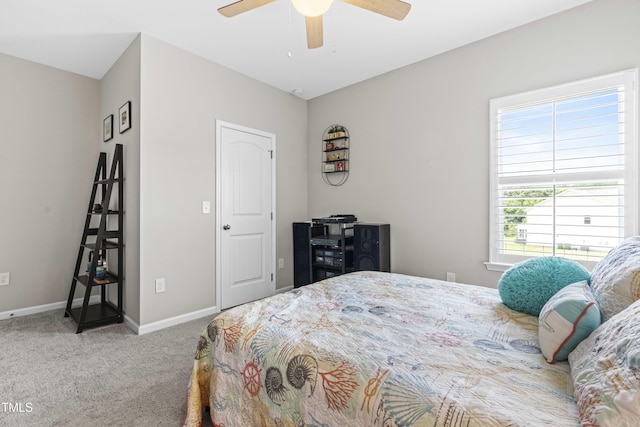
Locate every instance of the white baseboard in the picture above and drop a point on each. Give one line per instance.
(45, 307)
(172, 321)
(283, 290)
(131, 324)
(140, 330)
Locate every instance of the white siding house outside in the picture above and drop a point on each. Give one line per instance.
(586, 220)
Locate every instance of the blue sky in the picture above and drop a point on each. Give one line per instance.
(587, 134)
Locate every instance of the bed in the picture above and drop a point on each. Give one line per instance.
(370, 349)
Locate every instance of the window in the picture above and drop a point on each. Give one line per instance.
(563, 171)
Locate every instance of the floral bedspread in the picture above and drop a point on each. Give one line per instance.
(372, 349)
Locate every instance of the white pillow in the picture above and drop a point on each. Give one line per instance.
(566, 319)
(615, 280)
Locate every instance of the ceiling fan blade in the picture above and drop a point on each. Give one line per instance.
(241, 6)
(395, 9)
(314, 31)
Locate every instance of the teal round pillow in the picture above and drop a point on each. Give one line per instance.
(528, 285)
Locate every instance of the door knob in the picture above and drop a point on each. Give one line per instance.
(226, 227)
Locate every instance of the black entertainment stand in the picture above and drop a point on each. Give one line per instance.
(332, 254)
(330, 248)
(321, 250)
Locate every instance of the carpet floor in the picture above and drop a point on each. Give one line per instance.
(107, 376)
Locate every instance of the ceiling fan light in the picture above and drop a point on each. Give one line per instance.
(312, 8)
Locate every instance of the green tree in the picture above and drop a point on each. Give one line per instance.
(516, 202)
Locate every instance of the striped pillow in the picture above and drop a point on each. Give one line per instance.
(567, 319)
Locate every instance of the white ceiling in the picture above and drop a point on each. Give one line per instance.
(268, 43)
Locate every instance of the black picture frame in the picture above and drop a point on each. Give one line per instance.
(124, 117)
(107, 128)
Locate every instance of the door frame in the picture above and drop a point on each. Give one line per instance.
(220, 124)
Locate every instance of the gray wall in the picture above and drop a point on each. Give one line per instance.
(181, 97)
(49, 142)
(420, 135)
(119, 85)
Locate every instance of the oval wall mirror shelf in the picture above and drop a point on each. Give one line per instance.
(335, 155)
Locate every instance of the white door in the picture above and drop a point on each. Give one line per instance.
(245, 205)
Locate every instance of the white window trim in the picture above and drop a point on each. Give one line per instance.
(630, 80)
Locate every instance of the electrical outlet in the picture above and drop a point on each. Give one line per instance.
(451, 277)
(280, 263)
(4, 279)
(160, 285)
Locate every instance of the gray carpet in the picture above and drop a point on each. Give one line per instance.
(107, 376)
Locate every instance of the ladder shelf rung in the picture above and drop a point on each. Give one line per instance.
(109, 212)
(97, 314)
(110, 277)
(105, 245)
(106, 181)
(107, 234)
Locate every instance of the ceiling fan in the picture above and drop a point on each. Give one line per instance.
(314, 9)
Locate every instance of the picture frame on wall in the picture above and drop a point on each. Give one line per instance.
(124, 117)
(107, 128)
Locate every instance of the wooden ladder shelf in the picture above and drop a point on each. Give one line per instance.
(96, 243)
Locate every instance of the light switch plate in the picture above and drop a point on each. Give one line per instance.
(160, 285)
(4, 279)
(206, 207)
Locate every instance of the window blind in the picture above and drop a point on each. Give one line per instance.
(562, 170)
